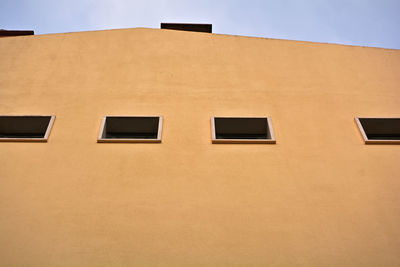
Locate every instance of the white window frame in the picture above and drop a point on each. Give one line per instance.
(25, 139)
(101, 138)
(214, 139)
(373, 141)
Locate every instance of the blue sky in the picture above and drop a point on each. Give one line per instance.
(355, 22)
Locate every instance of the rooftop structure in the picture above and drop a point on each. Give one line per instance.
(10, 33)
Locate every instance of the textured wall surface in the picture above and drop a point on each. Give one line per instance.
(319, 197)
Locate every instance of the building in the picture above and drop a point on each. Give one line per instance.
(318, 197)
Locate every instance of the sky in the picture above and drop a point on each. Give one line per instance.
(373, 23)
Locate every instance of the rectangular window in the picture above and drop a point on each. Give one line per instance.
(242, 130)
(379, 130)
(25, 128)
(137, 129)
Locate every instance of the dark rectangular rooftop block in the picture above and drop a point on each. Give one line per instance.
(193, 27)
(9, 33)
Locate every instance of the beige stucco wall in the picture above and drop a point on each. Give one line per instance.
(319, 197)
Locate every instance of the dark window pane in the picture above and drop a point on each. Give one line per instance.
(131, 128)
(241, 128)
(24, 126)
(381, 128)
